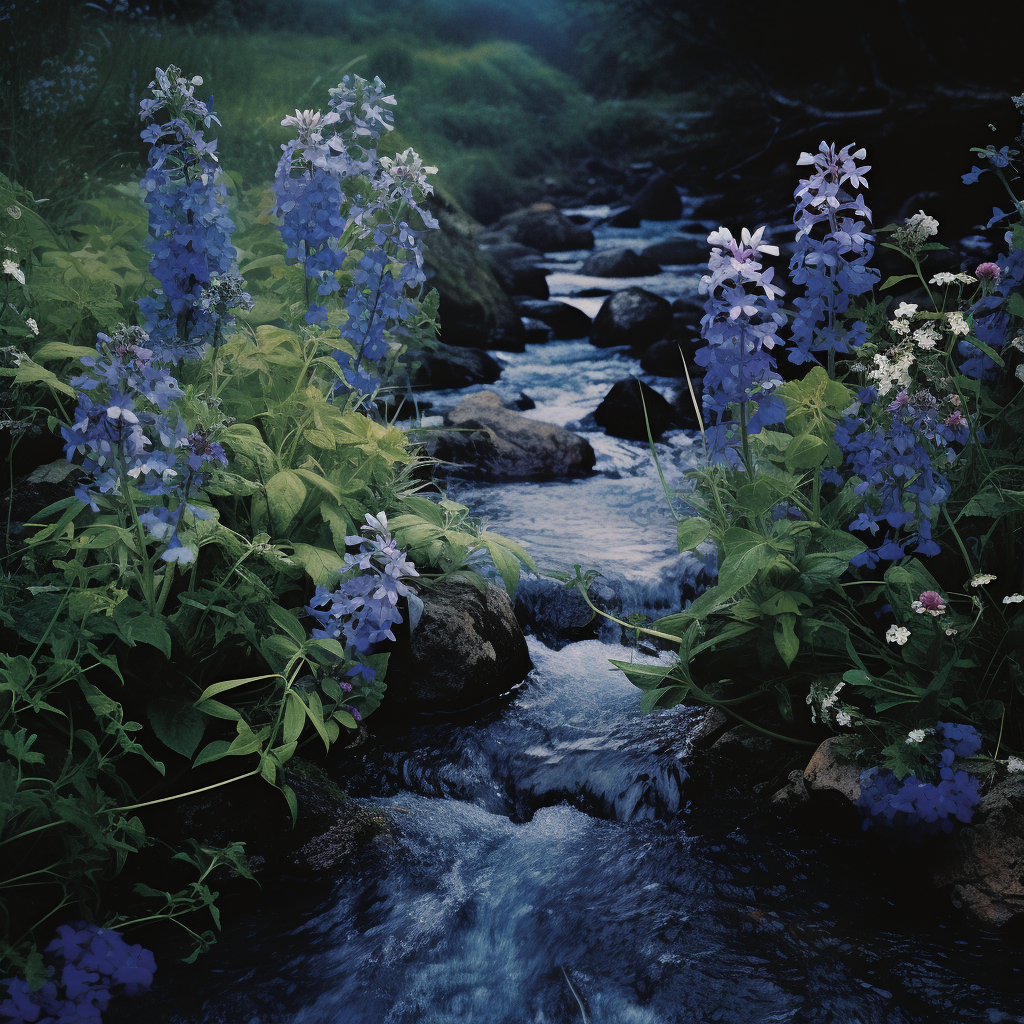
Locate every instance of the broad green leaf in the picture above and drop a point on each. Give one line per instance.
(177, 723)
(806, 452)
(645, 677)
(786, 641)
(323, 565)
(690, 532)
(286, 494)
(286, 621)
(213, 751)
(294, 716)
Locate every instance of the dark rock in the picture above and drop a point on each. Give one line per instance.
(466, 649)
(559, 615)
(593, 293)
(632, 316)
(522, 277)
(451, 367)
(663, 359)
(658, 199)
(792, 796)
(689, 306)
(536, 332)
(624, 414)
(627, 217)
(581, 218)
(830, 772)
(566, 321)
(45, 485)
(677, 251)
(985, 862)
(474, 310)
(541, 226)
(621, 263)
(742, 743)
(495, 443)
(525, 402)
(505, 252)
(684, 408)
(711, 727)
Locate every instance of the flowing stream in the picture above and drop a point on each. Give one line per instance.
(560, 858)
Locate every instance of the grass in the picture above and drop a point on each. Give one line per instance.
(492, 116)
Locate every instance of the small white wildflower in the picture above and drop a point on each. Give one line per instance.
(907, 309)
(14, 212)
(843, 718)
(32, 325)
(966, 279)
(922, 224)
(1013, 599)
(900, 327)
(1018, 343)
(952, 631)
(925, 344)
(957, 324)
(196, 81)
(10, 248)
(1014, 764)
(858, 368)
(943, 278)
(11, 268)
(897, 635)
(981, 579)
(915, 736)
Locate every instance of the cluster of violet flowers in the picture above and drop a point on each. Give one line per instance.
(331, 184)
(190, 230)
(132, 435)
(60, 88)
(94, 962)
(363, 610)
(832, 268)
(918, 804)
(740, 326)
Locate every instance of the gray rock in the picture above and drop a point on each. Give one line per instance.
(620, 263)
(627, 217)
(633, 317)
(742, 743)
(536, 331)
(676, 251)
(829, 771)
(792, 796)
(710, 728)
(495, 443)
(565, 320)
(624, 414)
(466, 649)
(522, 277)
(985, 862)
(542, 227)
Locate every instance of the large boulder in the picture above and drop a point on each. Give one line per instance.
(466, 648)
(450, 367)
(619, 263)
(985, 863)
(624, 413)
(830, 772)
(517, 275)
(496, 443)
(677, 251)
(543, 227)
(474, 309)
(632, 316)
(566, 321)
(658, 199)
(663, 359)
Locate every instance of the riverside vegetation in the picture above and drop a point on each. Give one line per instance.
(246, 515)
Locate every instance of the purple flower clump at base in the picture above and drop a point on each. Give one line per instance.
(920, 805)
(95, 961)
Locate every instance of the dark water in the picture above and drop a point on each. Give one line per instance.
(555, 859)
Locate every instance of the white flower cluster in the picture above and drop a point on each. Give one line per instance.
(13, 270)
(1014, 764)
(946, 278)
(927, 337)
(892, 370)
(897, 635)
(923, 225)
(826, 704)
(1013, 599)
(915, 736)
(957, 324)
(982, 579)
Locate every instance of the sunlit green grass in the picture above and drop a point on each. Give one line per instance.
(491, 116)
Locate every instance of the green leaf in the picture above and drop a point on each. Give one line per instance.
(690, 532)
(987, 349)
(646, 677)
(323, 565)
(231, 684)
(294, 716)
(177, 723)
(890, 281)
(286, 621)
(213, 751)
(286, 494)
(784, 702)
(806, 452)
(786, 641)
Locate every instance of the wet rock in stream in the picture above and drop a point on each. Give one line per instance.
(632, 316)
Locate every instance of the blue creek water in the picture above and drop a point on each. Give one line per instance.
(558, 857)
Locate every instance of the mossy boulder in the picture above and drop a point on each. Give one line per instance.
(475, 311)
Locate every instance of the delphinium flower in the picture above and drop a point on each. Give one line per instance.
(130, 432)
(892, 449)
(190, 230)
(382, 221)
(363, 610)
(91, 962)
(833, 249)
(919, 804)
(740, 327)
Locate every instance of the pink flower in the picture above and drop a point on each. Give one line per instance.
(987, 272)
(955, 420)
(931, 602)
